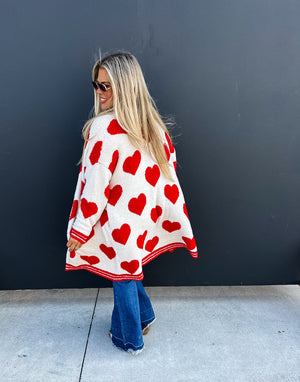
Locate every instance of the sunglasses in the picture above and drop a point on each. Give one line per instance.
(100, 85)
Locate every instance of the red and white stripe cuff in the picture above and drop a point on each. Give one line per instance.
(78, 236)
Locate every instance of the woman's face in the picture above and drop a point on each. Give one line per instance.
(106, 98)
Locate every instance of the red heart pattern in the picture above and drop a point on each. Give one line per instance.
(96, 152)
(171, 226)
(107, 192)
(185, 210)
(114, 161)
(132, 163)
(151, 244)
(121, 234)
(88, 208)
(152, 174)
(131, 266)
(167, 151)
(92, 260)
(109, 251)
(114, 128)
(141, 239)
(171, 192)
(103, 218)
(156, 213)
(74, 209)
(191, 243)
(171, 147)
(136, 205)
(115, 194)
(82, 187)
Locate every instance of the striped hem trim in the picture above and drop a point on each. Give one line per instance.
(140, 276)
(78, 236)
(107, 275)
(166, 248)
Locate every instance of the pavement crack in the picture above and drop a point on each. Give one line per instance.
(88, 337)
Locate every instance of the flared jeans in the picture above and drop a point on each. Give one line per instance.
(131, 314)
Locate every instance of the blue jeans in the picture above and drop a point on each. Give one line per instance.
(132, 313)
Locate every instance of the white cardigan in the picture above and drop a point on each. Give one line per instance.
(125, 211)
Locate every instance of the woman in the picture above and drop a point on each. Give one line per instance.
(128, 205)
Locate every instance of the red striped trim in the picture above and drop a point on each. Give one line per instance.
(147, 259)
(166, 248)
(107, 275)
(78, 236)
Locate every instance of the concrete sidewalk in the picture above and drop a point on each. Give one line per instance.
(203, 334)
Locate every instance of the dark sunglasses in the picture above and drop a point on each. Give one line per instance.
(101, 86)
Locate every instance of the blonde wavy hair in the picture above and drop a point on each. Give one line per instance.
(134, 108)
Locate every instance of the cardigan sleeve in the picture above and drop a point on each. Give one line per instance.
(94, 189)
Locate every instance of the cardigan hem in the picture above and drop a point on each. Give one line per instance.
(105, 274)
(140, 276)
(168, 248)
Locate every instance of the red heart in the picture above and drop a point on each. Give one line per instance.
(171, 226)
(121, 235)
(172, 192)
(171, 147)
(103, 218)
(114, 128)
(109, 251)
(131, 266)
(80, 168)
(185, 210)
(152, 174)
(113, 162)
(141, 239)
(175, 165)
(136, 205)
(72, 254)
(107, 192)
(191, 243)
(167, 151)
(92, 260)
(132, 163)
(95, 153)
(155, 213)
(151, 243)
(88, 208)
(74, 209)
(82, 187)
(115, 194)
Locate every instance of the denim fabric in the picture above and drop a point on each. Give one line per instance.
(131, 314)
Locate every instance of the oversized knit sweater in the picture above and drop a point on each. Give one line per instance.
(125, 212)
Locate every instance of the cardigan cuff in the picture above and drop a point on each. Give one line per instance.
(78, 236)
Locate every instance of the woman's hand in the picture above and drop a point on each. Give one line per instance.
(73, 244)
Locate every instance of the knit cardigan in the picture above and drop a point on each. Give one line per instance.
(125, 211)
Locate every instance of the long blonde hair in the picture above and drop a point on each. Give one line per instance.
(134, 108)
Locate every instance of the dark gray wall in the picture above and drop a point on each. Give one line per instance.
(229, 72)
